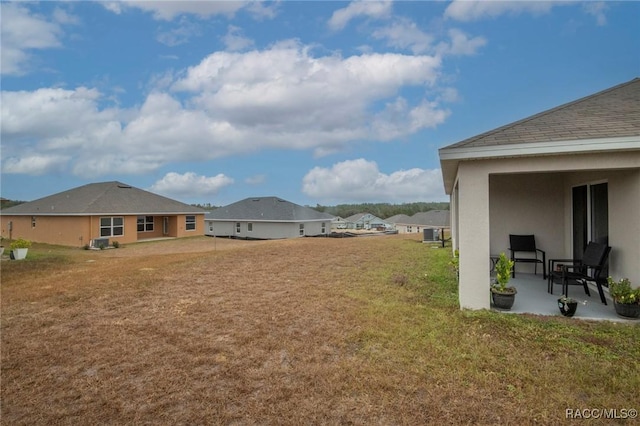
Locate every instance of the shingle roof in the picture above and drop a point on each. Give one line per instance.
(439, 218)
(267, 209)
(611, 113)
(399, 218)
(103, 198)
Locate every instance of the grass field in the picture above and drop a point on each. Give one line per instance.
(307, 331)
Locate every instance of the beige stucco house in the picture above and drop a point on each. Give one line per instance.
(568, 175)
(105, 210)
(416, 224)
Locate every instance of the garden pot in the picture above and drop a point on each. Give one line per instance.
(631, 311)
(568, 309)
(20, 253)
(503, 300)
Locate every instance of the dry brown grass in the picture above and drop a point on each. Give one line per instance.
(305, 331)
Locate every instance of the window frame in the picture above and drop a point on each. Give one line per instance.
(145, 223)
(112, 226)
(190, 223)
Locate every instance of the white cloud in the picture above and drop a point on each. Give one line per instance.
(35, 164)
(597, 9)
(167, 10)
(256, 180)
(229, 104)
(361, 180)
(461, 44)
(371, 9)
(50, 113)
(405, 34)
(190, 184)
(235, 41)
(474, 10)
(23, 32)
(182, 33)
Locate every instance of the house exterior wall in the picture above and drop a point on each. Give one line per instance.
(266, 230)
(62, 230)
(412, 228)
(77, 231)
(523, 204)
(474, 235)
(482, 193)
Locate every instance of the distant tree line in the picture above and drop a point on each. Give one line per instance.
(5, 204)
(381, 210)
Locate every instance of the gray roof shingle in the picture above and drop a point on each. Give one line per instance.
(437, 218)
(267, 209)
(103, 198)
(611, 113)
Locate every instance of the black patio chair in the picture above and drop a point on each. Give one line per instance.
(580, 271)
(523, 249)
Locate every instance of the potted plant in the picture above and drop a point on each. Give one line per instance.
(19, 248)
(567, 305)
(502, 295)
(626, 300)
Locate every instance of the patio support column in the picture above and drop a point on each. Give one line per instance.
(473, 234)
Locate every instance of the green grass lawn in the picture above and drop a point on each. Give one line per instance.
(310, 331)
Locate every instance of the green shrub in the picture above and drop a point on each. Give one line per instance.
(20, 243)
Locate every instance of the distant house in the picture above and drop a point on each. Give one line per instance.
(416, 224)
(266, 218)
(365, 221)
(568, 175)
(106, 210)
(338, 223)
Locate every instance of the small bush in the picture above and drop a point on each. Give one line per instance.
(115, 244)
(20, 243)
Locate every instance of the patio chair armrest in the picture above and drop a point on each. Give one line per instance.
(552, 262)
(566, 268)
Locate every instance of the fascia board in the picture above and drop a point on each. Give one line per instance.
(580, 146)
(450, 157)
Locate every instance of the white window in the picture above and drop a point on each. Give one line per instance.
(190, 223)
(249, 227)
(237, 227)
(145, 223)
(324, 228)
(111, 226)
(302, 229)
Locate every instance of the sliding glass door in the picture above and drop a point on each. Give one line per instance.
(590, 216)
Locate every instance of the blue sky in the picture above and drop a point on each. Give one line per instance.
(315, 102)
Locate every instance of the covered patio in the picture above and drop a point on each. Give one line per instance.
(568, 176)
(533, 298)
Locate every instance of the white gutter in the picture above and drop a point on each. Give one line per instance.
(541, 148)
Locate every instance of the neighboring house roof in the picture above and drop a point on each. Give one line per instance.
(605, 121)
(436, 218)
(267, 209)
(439, 218)
(355, 217)
(363, 217)
(399, 218)
(103, 198)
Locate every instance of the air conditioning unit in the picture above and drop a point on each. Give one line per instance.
(100, 242)
(430, 235)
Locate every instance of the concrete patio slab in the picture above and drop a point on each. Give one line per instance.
(533, 298)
